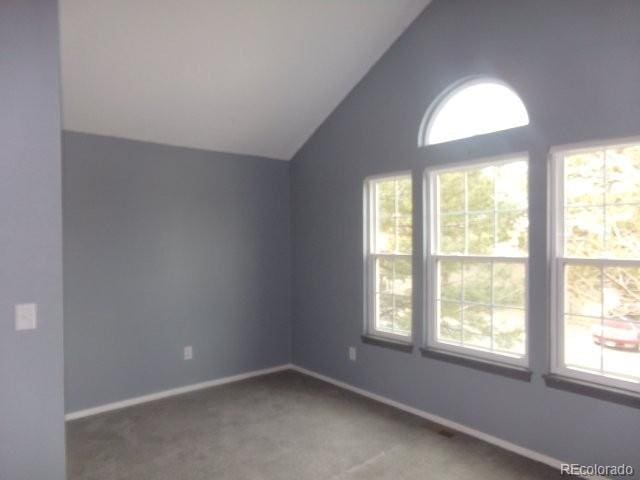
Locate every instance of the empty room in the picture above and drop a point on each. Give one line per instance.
(319, 239)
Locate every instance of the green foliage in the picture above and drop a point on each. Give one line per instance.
(508, 284)
(477, 296)
(452, 186)
(477, 282)
(483, 212)
(393, 201)
(602, 220)
(393, 235)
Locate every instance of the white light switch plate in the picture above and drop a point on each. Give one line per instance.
(352, 354)
(26, 316)
(188, 353)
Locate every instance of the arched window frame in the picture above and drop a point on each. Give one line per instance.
(442, 100)
(453, 159)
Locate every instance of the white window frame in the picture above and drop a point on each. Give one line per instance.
(558, 262)
(431, 258)
(370, 258)
(441, 101)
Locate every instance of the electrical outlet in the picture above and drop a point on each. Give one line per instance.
(352, 354)
(188, 353)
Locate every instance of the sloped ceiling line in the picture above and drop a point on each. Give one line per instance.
(250, 77)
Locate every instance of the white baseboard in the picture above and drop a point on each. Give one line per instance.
(174, 391)
(512, 447)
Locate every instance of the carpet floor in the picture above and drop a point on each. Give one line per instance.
(281, 426)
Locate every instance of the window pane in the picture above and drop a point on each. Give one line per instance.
(584, 232)
(451, 188)
(490, 322)
(385, 198)
(449, 322)
(450, 280)
(476, 326)
(583, 290)
(509, 284)
(404, 234)
(384, 312)
(512, 233)
(622, 237)
(480, 234)
(476, 108)
(393, 219)
(581, 342)
(480, 189)
(602, 301)
(405, 200)
(512, 189)
(602, 195)
(391, 245)
(484, 210)
(402, 324)
(477, 282)
(584, 179)
(393, 290)
(509, 330)
(384, 275)
(621, 328)
(402, 276)
(622, 292)
(385, 215)
(451, 231)
(620, 356)
(606, 340)
(623, 175)
(385, 234)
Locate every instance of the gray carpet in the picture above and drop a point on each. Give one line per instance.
(282, 426)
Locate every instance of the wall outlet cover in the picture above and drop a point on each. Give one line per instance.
(26, 316)
(188, 353)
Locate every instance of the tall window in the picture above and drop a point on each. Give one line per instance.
(477, 260)
(476, 107)
(388, 256)
(597, 264)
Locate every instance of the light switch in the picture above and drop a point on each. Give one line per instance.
(26, 316)
(352, 354)
(188, 353)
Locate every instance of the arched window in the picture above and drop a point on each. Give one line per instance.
(475, 107)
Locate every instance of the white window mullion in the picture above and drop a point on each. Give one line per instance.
(466, 213)
(491, 309)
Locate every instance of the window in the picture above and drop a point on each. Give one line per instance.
(477, 260)
(474, 108)
(597, 264)
(388, 256)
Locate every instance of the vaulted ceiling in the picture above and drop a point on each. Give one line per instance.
(243, 76)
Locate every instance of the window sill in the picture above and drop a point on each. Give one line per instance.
(378, 341)
(510, 371)
(593, 390)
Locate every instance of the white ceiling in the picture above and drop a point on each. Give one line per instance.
(243, 76)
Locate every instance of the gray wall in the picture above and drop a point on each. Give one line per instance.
(576, 64)
(31, 362)
(166, 247)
